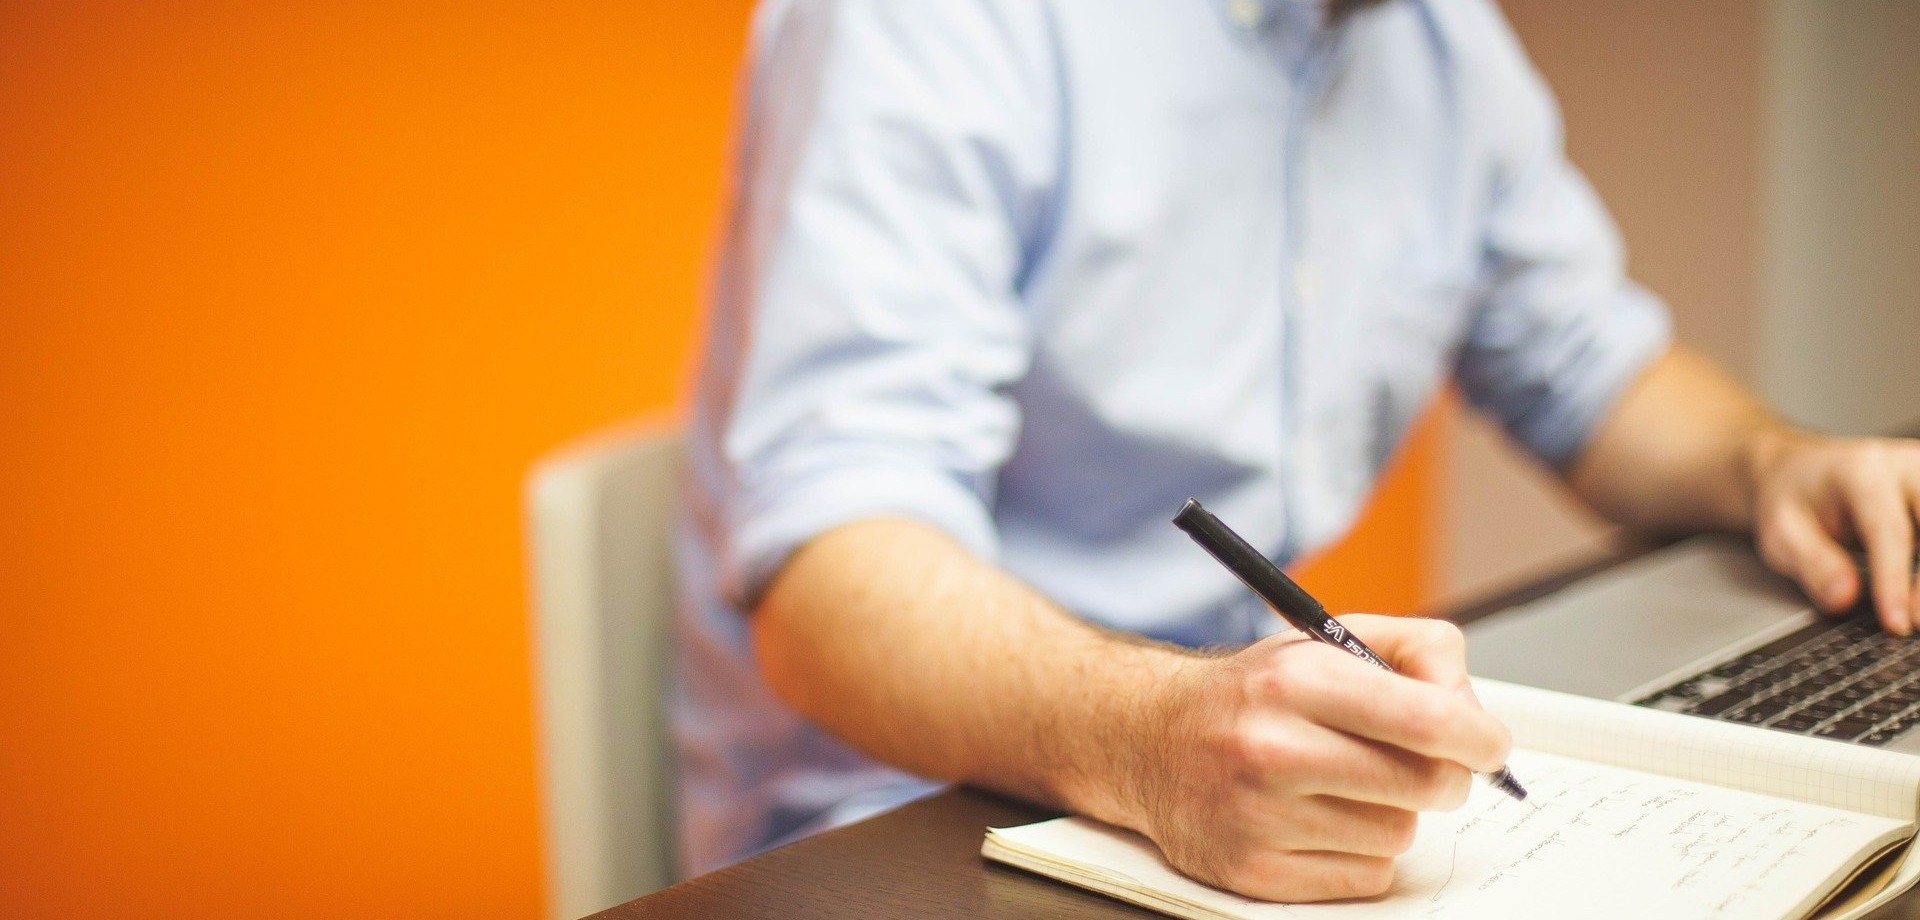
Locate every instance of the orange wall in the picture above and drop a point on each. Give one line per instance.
(1389, 562)
(290, 297)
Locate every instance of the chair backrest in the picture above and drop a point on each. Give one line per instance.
(599, 525)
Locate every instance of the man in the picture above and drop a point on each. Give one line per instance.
(1006, 282)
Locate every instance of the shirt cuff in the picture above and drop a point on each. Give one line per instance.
(784, 515)
(1557, 427)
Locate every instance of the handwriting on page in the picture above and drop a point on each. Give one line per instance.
(1595, 840)
(1591, 841)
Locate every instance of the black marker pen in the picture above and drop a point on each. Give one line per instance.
(1292, 602)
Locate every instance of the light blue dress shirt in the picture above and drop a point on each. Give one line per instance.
(1036, 272)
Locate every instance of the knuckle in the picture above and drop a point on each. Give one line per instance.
(1444, 633)
(1432, 785)
(1399, 830)
(1297, 675)
(1437, 639)
(1776, 521)
(1880, 519)
(1369, 876)
(1865, 461)
(1268, 754)
(1285, 682)
(1425, 718)
(1455, 784)
(1772, 518)
(1267, 680)
(1774, 545)
(1829, 564)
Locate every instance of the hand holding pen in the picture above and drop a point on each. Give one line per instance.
(1292, 602)
(1283, 772)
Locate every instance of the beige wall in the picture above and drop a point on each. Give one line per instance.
(1663, 106)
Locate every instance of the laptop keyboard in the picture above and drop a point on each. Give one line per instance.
(1844, 679)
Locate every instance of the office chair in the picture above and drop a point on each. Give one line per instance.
(599, 526)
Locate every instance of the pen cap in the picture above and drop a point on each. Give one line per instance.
(1240, 558)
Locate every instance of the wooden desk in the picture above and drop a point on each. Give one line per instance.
(923, 860)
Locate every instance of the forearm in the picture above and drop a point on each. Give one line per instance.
(896, 639)
(1287, 770)
(1682, 449)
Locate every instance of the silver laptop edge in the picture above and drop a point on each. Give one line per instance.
(1646, 624)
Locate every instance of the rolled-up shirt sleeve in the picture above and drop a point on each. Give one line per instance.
(1562, 331)
(894, 179)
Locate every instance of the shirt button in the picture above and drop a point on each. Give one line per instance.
(1247, 14)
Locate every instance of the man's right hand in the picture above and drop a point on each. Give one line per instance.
(1288, 770)
(1292, 771)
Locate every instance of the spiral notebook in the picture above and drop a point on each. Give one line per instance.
(1632, 812)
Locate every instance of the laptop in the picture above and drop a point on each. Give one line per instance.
(1703, 627)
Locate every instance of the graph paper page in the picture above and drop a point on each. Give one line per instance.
(1760, 760)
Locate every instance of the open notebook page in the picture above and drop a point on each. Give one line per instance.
(1591, 841)
(1689, 747)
